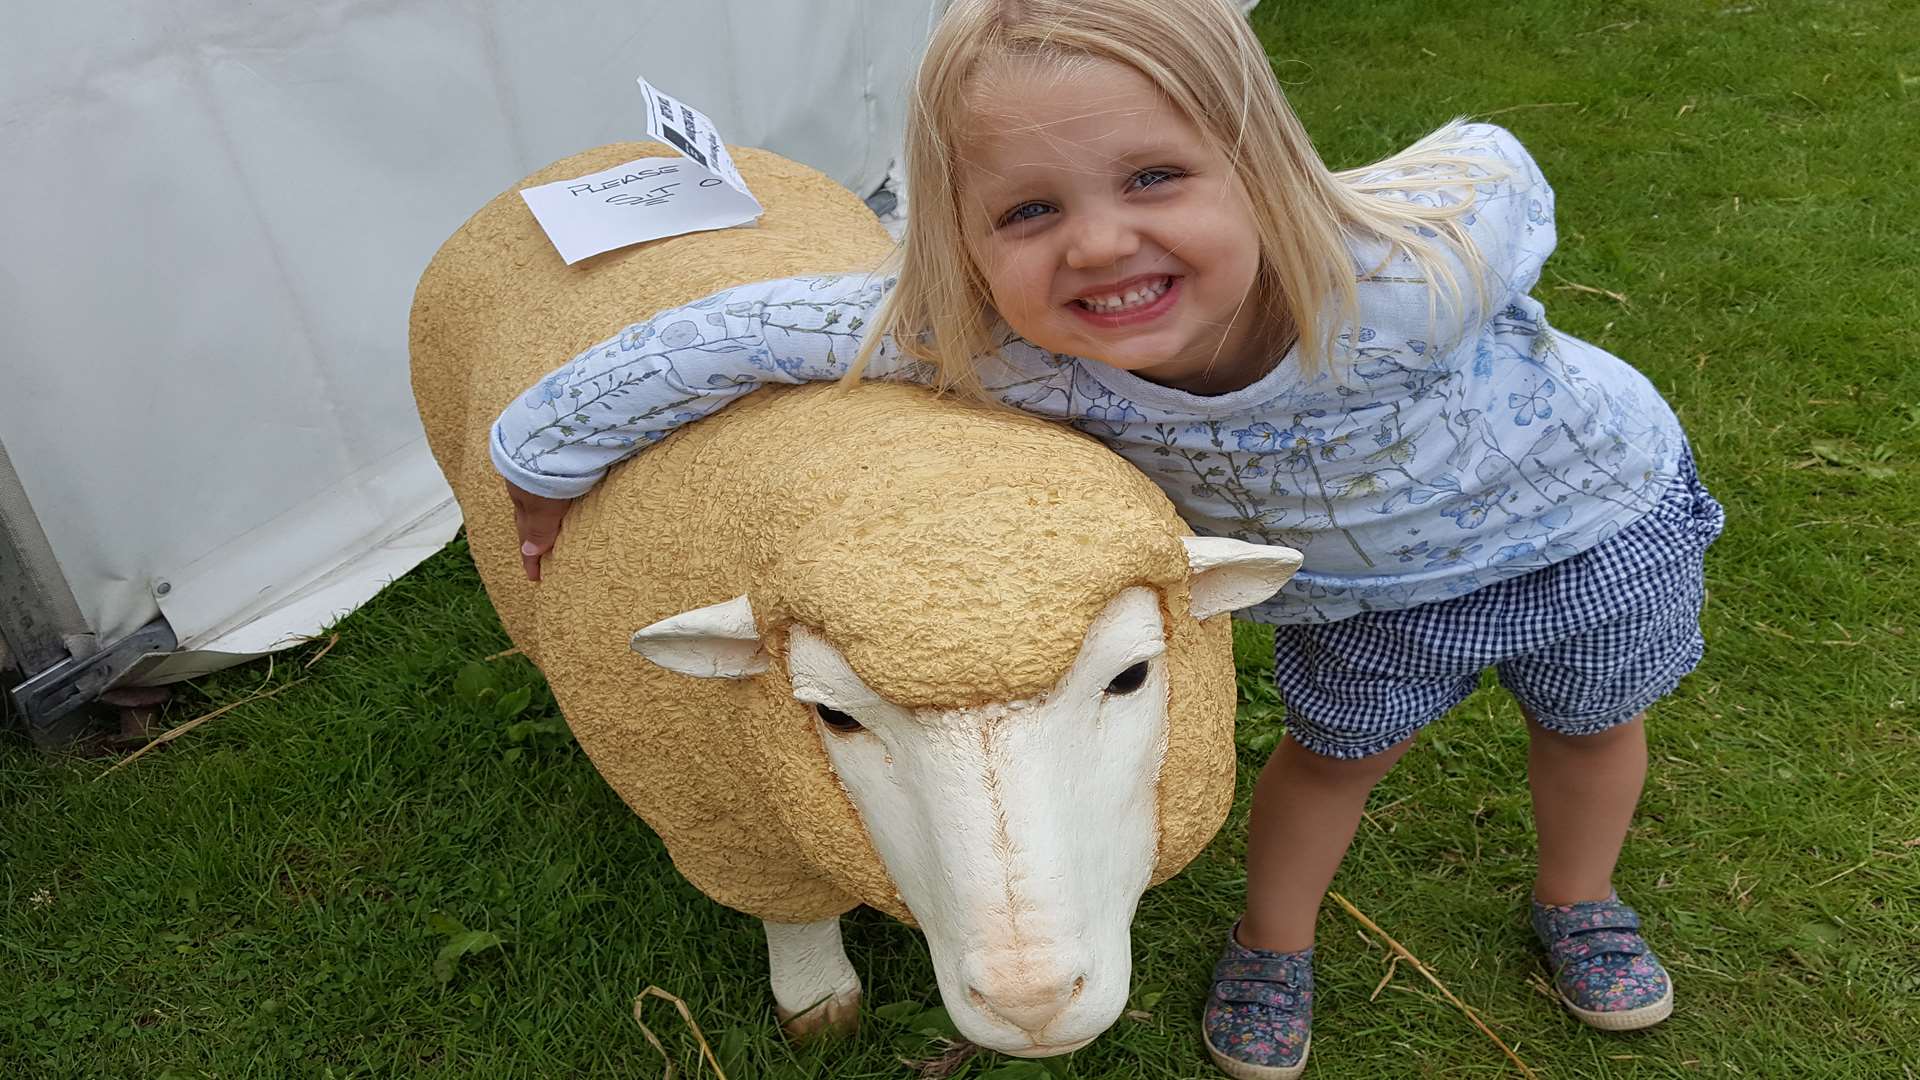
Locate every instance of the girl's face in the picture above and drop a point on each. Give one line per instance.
(1108, 227)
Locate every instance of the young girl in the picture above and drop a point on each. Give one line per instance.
(1118, 222)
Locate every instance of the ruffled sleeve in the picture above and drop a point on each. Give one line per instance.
(633, 389)
(1511, 221)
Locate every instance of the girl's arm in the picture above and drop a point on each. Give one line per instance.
(1511, 221)
(557, 440)
(1497, 234)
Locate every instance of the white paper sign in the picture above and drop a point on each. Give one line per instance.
(638, 201)
(649, 198)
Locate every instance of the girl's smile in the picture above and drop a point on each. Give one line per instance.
(1137, 300)
(1107, 226)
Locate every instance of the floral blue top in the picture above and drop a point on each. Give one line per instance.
(1453, 451)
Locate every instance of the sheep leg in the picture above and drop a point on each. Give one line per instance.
(815, 989)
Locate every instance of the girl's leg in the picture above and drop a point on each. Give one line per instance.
(1584, 791)
(1585, 788)
(1305, 810)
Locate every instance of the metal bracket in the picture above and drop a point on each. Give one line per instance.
(51, 700)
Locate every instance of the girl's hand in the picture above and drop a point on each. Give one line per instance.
(537, 519)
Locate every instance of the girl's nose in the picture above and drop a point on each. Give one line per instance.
(1101, 240)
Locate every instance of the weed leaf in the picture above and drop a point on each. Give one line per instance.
(731, 1049)
(473, 680)
(899, 1011)
(935, 1021)
(513, 704)
(461, 944)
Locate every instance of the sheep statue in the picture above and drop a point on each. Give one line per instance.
(957, 663)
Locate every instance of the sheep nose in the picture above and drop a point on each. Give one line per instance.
(1024, 991)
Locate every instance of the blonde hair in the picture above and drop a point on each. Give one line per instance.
(1205, 59)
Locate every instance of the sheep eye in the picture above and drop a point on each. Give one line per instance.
(836, 719)
(1129, 680)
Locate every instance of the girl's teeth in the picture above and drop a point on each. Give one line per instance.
(1131, 298)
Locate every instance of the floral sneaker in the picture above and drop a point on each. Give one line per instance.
(1605, 971)
(1259, 1018)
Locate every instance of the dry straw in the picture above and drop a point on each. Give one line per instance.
(174, 733)
(706, 1052)
(1401, 952)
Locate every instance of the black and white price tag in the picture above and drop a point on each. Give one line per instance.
(688, 130)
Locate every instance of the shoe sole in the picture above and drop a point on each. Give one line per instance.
(1247, 1070)
(1626, 1020)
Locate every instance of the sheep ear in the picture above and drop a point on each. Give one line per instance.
(1231, 574)
(719, 641)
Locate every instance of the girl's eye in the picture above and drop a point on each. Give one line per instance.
(1147, 178)
(1025, 212)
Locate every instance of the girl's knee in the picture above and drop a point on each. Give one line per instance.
(1625, 732)
(1362, 770)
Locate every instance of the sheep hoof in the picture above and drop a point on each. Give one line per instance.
(836, 1016)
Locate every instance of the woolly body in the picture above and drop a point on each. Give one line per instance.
(954, 555)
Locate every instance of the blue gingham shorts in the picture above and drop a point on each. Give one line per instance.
(1583, 645)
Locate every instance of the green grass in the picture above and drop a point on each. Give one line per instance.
(267, 896)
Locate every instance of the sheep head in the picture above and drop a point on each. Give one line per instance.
(1013, 794)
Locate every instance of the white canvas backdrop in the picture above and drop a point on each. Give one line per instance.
(213, 218)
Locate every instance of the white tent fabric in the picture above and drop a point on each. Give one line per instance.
(213, 221)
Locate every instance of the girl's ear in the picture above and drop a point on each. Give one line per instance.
(1227, 575)
(719, 641)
